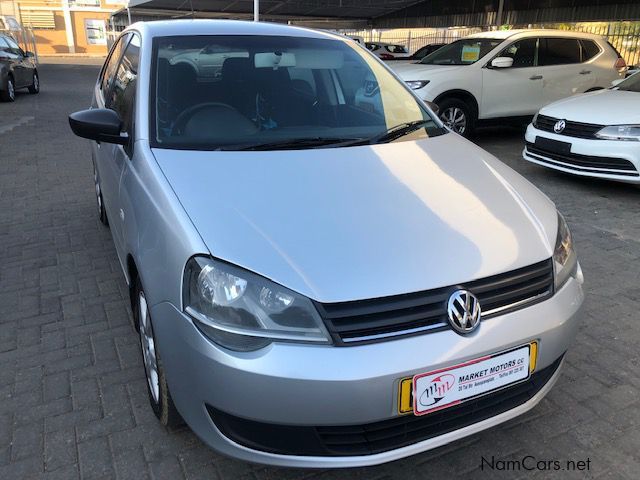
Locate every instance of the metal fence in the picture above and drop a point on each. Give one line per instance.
(624, 36)
(413, 39)
(25, 38)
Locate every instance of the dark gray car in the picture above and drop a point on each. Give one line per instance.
(18, 69)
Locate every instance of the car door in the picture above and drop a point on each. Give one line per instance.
(22, 65)
(104, 154)
(560, 62)
(121, 99)
(516, 90)
(10, 59)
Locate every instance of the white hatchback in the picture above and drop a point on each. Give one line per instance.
(594, 135)
(510, 73)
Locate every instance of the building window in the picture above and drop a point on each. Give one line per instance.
(95, 31)
(84, 3)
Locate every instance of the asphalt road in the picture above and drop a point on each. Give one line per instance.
(72, 390)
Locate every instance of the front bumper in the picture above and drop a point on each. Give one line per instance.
(588, 157)
(305, 385)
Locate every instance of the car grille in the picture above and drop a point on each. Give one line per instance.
(583, 163)
(378, 437)
(572, 129)
(416, 313)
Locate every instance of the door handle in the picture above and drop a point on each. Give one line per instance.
(536, 77)
(585, 72)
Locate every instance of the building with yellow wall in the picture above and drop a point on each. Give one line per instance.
(67, 26)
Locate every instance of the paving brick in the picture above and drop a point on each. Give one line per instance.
(95, 459)
(60, 449)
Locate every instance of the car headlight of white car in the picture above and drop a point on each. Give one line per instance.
(620, 132)
(565, 260)
(243, 311)
(416, 84)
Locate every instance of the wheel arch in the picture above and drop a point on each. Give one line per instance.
(460, 94)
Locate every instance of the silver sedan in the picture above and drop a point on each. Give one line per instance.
(321, 274)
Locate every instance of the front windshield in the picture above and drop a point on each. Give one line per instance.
(631, 84)
(232, 92)
(462, 52)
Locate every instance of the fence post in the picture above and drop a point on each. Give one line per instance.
(409, 42)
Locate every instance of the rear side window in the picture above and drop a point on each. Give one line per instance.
(109, 70)
(559, 51)
(589, 49)
(123, 93)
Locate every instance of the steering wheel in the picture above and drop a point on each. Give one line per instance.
(233, 114)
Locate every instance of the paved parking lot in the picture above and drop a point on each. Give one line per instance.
(73, 402)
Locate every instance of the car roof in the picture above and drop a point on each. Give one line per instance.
(504, 34)
(167, 28)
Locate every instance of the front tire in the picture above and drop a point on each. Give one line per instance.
(157, 387)
(35, 84)
(457, 115)
(9, 94)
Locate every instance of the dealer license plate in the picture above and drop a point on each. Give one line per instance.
(454, 385)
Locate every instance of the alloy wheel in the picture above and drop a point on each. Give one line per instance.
(454, 118)
(148, 345)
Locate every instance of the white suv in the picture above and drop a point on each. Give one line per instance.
(510, 73)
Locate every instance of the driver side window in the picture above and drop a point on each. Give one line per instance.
(109, 69)
(524, 53)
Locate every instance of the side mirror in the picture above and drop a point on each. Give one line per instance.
(502, 62)
(29, 54)
(434, 107)
(99, 124)
(617, 82)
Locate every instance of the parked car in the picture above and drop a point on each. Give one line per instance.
(388, 51)
(310, 277)
(592, 135)
(510, 73)
(18, 70)
(421, 53)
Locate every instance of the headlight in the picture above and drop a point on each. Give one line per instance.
(244, 311)
(416, 84)
(565, 261)
(620, 132)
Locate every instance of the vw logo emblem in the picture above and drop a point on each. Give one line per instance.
(463, 310)
(559, 126)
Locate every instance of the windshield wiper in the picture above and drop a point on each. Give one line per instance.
(397, 131)
(293, 144)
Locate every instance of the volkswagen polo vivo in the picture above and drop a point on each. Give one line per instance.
(321, 274)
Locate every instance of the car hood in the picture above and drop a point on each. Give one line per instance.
(364, 222)
(602, 107)
(418, 71)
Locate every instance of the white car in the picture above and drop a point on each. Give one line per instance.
(388, 51)
(510, 73)
(593, 135)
